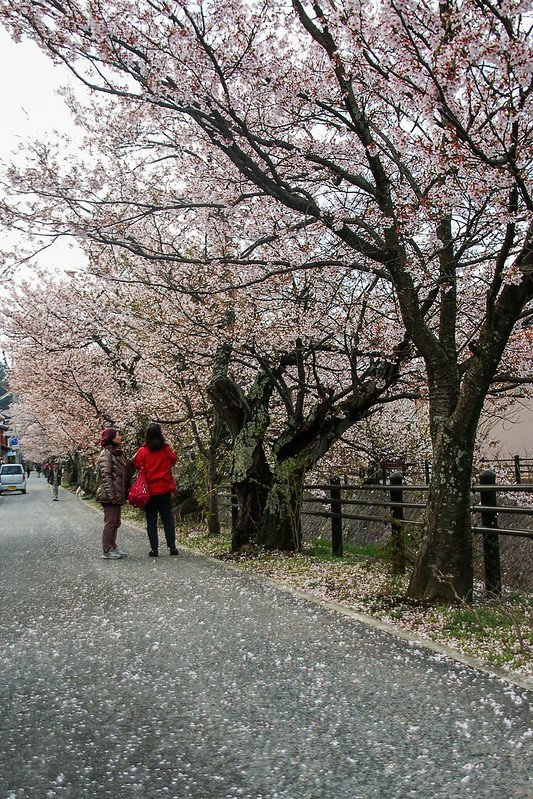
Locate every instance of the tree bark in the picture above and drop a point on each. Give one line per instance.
(246, 417)
(281, 524)
(213, 518)
(443, 568)
(252, 491)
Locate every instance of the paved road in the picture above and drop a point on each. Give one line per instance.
(179, 678)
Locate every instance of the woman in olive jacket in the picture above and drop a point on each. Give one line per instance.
(114, 472)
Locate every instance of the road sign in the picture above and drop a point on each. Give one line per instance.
(13, 442)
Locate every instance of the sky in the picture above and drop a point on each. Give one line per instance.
(32, 109)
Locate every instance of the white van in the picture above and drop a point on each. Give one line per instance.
(12, 478)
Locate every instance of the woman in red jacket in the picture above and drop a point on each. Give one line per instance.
(157, 460)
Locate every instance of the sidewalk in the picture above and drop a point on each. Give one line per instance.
(180, 678)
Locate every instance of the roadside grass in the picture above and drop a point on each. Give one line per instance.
(496, 630)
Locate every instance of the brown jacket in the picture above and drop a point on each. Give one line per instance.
(114, 472)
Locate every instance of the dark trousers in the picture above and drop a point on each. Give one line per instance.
(111, 525)
(160, 504)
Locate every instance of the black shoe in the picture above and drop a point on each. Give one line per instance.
(153, 553)
(173, 551)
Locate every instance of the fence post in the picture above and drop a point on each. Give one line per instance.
(234, 509)
(336, 515)
(427, 472)
(491, 541)
(518, 476)
(398, 543)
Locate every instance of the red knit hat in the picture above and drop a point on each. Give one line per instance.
(107, 436)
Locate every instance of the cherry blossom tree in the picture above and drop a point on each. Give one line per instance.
(73, 368)
(286, 373)
(4, 393)
(399, 130)
(286, 379)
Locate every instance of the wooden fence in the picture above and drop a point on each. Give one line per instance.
(394, 492)
(338, 508)
(518, 468)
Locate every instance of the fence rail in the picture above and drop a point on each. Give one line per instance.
(518, 466)
(488, 508)
(522, 467)
(393, 501)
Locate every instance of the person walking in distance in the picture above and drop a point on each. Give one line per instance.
(54, 478)
(114, 472)
(157, 460)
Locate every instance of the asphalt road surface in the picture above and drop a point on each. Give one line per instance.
(179, 678)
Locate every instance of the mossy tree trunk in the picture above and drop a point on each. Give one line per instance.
(269, 489)
(213, 516)
(247, 418)
(457, 391)
(443, 568)
(281, 526)
(297, 450)
(252, 491)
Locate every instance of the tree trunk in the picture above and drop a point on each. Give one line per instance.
(213, 517)
(299, 446)
(443, 568)
(246, 417)
(251, 500)
(281, 523)
(252, 491)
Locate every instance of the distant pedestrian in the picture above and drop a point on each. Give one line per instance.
(54, 478)
(28, 468)
(38, 469)
(46, 470)
(114, 472)
(157, 460)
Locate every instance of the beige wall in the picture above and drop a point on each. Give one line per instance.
(514, 432)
